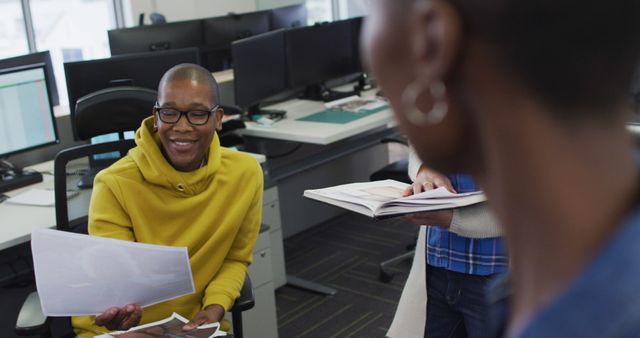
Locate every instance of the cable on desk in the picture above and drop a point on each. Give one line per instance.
(78, 172)
(286, 153)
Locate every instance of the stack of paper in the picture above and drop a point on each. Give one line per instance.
(37, 197)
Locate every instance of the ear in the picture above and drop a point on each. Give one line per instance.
(155, 121)
(217, 123)
(436, 30)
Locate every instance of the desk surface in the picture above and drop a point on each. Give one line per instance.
(291, 129)
(18, 221)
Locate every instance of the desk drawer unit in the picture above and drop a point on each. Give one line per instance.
(271, 217)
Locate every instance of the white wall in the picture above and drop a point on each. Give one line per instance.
(185, 9)
(195, 9)
(267, 4)
(353, 8)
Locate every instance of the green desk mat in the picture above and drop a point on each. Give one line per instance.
(339, 116)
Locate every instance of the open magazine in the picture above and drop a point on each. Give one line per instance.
(381, 199)
(170, 327)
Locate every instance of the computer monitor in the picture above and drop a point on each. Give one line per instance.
(142, 70)
(316, 54)
(259, 69)
(220, 32)
(26, 114)
(34, 58)
(289, 16)
(356, 32)
(175, 35)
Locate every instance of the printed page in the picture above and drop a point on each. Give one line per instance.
(385, 198)
(170, 327)
(85, 275)
(355, 104)
(35, 196)
(369, 194)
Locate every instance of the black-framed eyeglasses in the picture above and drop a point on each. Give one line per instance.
(195, 117)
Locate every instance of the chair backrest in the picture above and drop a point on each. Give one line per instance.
(157, 18)
(397, 170)
(61, 185)
(113, 110)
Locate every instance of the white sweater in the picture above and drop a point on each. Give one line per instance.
(475, 221)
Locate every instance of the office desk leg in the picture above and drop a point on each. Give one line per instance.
(310, 286)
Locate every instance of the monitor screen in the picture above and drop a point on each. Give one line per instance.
(220, 32)
(289, 17)
(259, 68)
(142, 70)
(151, 38)
(33, 58)
(26, 113)
(356, 29)
(319, 53)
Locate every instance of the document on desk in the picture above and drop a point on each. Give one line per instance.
(37, 197)
(85, 275)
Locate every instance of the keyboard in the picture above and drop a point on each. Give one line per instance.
(14, 181)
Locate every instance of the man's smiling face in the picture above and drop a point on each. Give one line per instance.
(184, 145)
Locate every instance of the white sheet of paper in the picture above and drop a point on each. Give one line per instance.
(37, 197)
(85, 275)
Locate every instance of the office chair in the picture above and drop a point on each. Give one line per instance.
(157, 18)
(227, 135)
(395, 171)
(110, 110)
(113, 110)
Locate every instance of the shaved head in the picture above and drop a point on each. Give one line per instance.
(194, 73)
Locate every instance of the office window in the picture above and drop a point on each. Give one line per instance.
(353, 8)
(13, 36)
(72, 30)
(319, 11)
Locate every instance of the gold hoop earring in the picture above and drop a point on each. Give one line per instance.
(416, 116)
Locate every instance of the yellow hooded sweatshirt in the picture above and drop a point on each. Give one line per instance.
(214, 211)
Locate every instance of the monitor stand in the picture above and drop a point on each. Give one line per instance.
(320, 92)
(95, 166)
(86, 180)
(12, 178)
(364, 83)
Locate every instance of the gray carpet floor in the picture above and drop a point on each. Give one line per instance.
(344, 254)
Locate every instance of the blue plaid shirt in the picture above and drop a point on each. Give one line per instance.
(461, 254)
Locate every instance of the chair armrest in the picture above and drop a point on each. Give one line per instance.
(31, 321)
(394, 140)
(245, 301)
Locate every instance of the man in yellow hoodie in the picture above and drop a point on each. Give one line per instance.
(178, 187)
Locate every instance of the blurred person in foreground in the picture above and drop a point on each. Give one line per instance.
(530, 97)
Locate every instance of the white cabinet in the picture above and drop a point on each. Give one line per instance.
(271, 217)
(261, 321)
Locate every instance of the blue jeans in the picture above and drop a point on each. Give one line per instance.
(456, 305)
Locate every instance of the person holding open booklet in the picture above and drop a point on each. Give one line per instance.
(463, 250)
